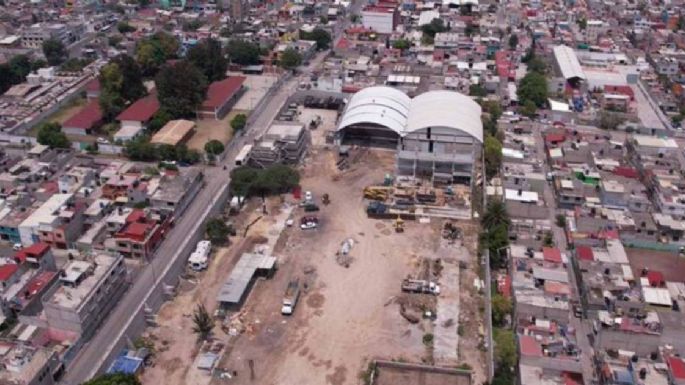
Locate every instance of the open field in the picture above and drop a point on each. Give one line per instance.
(257, 85)
(208, 129)
(390, 375)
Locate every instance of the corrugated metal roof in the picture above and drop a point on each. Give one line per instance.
(233, 289)
(568, 62)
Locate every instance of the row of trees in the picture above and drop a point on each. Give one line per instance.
(275, 179)
(140, 149)
(532, 90)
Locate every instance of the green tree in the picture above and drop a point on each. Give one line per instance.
(528, 109)
(434, 27)
(493, 108)
(243, 52)
(582, 23)
(274, 179)
(477, 90)
(124, 27)
(560, 220)
(495, 240)
(533, 87)
(505, 348)
(493, 155)
(151, 53)
(214, 147)
(513, 41)
(121, 83)
(21, 66)
(181, 88)
(501, 308)
(217, 230)
(202, 322)
(536, 64)
(238, 122)
(140, 149)
(208, 56)
(402, 44)
(50, 134)
(610, 120)
(114, 40)
(548, 240)
(495, 215)
(114, 379)
(320, 36)
(159, 119)
(290, 58)
(55, 52)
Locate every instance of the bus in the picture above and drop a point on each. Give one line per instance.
(243, 155)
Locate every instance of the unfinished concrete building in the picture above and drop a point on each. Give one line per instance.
(283, 142)
(438, 134)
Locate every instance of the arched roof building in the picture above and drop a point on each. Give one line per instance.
(437, 133)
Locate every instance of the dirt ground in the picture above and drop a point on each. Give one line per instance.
(208, 129)
(347, 314)
(397, 376)
(669, 264)
(175, 344)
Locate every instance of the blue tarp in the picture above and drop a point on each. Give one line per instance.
(125, 364)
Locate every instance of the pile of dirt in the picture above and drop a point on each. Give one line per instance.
(414, 306)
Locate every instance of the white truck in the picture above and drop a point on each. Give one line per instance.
(292, 293)
(199, 259)
(420, 286)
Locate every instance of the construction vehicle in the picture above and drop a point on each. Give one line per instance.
(399, 225)
(292, 293)
(420, 286)
(377, 193)
(376, 208)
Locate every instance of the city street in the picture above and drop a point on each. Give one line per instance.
(91, 359)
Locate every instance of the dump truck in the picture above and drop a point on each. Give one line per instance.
(292, 293)
(420, 286)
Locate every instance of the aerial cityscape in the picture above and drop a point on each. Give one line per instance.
(342, 192)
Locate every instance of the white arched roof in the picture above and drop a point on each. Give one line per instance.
(446, 109)
(392, 108)
(385, 106)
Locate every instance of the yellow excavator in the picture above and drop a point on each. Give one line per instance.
(399, 225)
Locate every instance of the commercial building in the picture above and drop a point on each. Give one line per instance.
(221, 96)
(174, 133)
(176, 191)
(380, 19)
(89, 289)
(437, 134)
(35, 35)
(284, 142)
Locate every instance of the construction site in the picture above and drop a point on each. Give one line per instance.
(350, 284)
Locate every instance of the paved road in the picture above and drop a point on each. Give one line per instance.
(560, 239)
(92, 356)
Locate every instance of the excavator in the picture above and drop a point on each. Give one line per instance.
(399, 225)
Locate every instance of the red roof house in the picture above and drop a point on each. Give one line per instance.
(655, 278)
(551, 254)
(85, 121)
(584, 253)
(529, 346)
(140, 112)
(7, 272)
(221, 96)
(93, 89)
(676, 367)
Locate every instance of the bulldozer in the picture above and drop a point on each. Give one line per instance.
(377, 193)
(399, 225)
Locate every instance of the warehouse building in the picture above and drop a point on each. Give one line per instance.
(174, 133)
(437, 134)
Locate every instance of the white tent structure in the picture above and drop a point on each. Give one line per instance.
(437, 133)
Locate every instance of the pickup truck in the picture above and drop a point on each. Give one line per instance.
(420, 286)
(292, 293)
